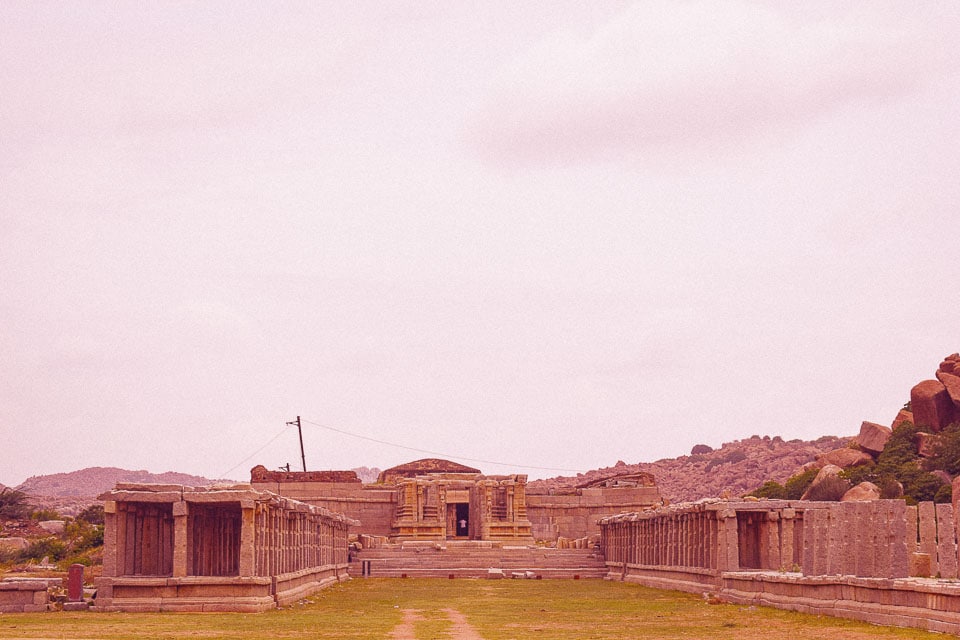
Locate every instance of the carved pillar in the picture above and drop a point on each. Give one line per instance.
(771, 534)
(247, 538)
(111, 543)
(181, 545)
(787, 554)
(728, 549)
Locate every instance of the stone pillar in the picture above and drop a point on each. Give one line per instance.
(865, 543)
(247, 538)
(181, 555)
(946, 542)
(787, 560)
(728, 549)
(110, 543)
(927, 520)
(899, 558)
(771, 533)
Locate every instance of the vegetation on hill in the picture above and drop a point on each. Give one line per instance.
(899, 471)
(81, 540)
(734, 468)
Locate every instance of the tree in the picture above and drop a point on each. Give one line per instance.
(14, 504)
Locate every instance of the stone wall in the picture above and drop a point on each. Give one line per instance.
(869, 561)
(175, 548)
(371, 506)
(578, 515)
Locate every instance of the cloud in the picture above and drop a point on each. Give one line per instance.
(687, 73)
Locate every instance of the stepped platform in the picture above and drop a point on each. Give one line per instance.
(475, 559)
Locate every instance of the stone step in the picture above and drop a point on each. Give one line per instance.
(477, 562)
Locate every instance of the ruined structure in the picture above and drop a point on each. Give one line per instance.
(435, 499)
(176, 548)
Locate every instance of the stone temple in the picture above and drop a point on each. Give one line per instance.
(435, 499)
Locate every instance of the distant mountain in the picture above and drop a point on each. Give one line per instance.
(68, 493)
(93, 481)
(736, 468)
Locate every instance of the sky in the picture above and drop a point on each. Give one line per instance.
(531, 237)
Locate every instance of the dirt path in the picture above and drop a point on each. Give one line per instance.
(462, 630)
(404, 630)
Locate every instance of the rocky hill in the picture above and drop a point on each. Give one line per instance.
(95, 480)
(735, 468)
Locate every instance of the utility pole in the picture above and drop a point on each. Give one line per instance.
(303, 458)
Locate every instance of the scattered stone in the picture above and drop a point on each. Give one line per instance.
(862, 492)
(873, 437)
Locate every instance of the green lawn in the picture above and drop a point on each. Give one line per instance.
(496, 609)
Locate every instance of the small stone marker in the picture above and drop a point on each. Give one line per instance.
(75, 583)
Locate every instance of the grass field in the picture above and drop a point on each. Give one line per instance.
(465, 610)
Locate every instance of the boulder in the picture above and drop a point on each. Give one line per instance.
(861, 492)
(846, 457)
(927, 444)
(827, 472)
(13, 544)
(931, 404)
(53, 526)
(952, 384)
(943, 475)
(951, 364)
(873, 437)
(902, 416)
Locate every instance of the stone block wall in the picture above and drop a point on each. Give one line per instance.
(26, 595)
(372, 507)
(578, 515)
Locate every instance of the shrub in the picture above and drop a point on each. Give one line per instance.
(944, 494)
(45, 514)
(700, 449)
(770, 489)
(92, 514)
(947, 454)
(798, 484)
(44, 548)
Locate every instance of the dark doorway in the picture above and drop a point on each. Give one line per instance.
(463, 520)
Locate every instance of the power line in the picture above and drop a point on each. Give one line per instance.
(269, 442)
(435, 453)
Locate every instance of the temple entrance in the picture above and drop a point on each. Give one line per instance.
(458, 520)
(463, 520)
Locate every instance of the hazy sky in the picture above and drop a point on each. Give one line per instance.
(552, 235)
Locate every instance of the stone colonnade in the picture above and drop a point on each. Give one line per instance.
(170, 547)
(865, 539)
(879, 561)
